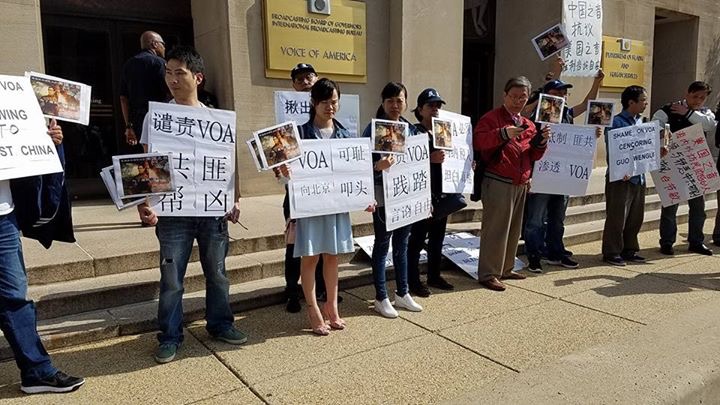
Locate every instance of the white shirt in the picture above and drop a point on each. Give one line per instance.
(6, 204)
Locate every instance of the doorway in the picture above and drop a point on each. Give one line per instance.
(92, 49)
(478, 58)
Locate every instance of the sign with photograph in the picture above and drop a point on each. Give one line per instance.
(108, 177)
(406, 185)
(623, 62)
(143, 174)
(202, 142)
(442, 133)
(255, 154)
(550, 41)
(550, 109)
(567, 164)
(600, 113)
(457, 169)
(295, 106)
(367, 243)
(463, 249)
(583, 23)
(333, 176)
(61, 99)
(279, 144)
(26, 149)
(335, 43)
(389, 136)
(688, 170)
(633, 150)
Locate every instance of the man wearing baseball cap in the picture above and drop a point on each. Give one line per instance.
(303, 77)
(544, 226)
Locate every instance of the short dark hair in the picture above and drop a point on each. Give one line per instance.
(699, 86)
(520, 81)
(322, 90)
(188, 55)
(631, 93)
(392, 89)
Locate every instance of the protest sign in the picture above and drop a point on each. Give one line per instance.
(550, 41)
(295, 106)
(566, 166)
(600, 113)
(688, 170)
(143, 174)
(108, 177)
(583, 25)
(279, 144)
(202, 141)
(255, 154)
(442, 133)
(25, 147)
(549, 109)
(633, 150)
(457, 168)
(61, 99)
(389, 136)
(406, 185)
(463, 249)
(333, 176)
(367, 243)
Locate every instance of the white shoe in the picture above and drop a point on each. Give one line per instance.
(385, 308)
(408, 303)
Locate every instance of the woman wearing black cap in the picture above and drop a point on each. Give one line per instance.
(394, 103)
(429, 104)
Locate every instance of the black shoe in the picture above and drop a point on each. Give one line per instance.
(700, 249)
(534, 266)
(564, 261)
(60, 382)
(293, 305)
(614, 260)
(440, 284)
(634, 258)
(667, 250)
(420, 290)
(567, 253)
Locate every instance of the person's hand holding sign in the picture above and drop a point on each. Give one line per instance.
(384, 163)
(234, 214)
(437, 156)
(55, 132)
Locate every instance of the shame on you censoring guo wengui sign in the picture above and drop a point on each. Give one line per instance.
(334, 44)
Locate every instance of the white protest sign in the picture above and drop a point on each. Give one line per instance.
(295, 106)
(566, 166)
(367, 243)
(688, 170)
(463, 249)
(108, 177)
(333, 176)
(202, 142)
(25, 146)
(406, 185)
(633, 150)
(61, 99)
(583, 26)
(457, 168)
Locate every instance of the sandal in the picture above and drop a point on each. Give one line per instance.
(337, 325)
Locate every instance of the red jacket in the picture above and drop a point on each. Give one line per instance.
(516, 158)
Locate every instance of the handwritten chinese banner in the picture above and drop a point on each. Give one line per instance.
(406, 185)
(463, 249)
(367, 243)
(566, 166)
(25, 147)
(295, 106)
(688, 170)
(457, 167)
(633, 150)
(583, 25)
(202, 142)
(333, 176)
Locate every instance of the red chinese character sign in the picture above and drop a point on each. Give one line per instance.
(688, 170)
(582, 20)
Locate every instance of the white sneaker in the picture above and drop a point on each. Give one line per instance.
(385, 308)
(408, 303)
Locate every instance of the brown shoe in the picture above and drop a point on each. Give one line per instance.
(513, 276)
(493, 284)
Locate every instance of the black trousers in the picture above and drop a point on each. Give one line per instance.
(434, 230)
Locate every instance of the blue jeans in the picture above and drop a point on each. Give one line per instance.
(17, 314)
(176, 235)
(381, 246)
(541, 236)
(696, 221)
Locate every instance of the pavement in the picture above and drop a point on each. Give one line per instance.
(644, 333)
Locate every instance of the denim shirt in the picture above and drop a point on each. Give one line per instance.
(622, 120)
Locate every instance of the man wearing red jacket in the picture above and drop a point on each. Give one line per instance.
(508, 144)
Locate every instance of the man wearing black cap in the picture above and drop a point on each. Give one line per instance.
(544, 226)
(303, 77)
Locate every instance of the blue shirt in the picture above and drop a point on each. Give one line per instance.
(622, 120)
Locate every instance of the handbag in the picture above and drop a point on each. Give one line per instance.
(446, 204)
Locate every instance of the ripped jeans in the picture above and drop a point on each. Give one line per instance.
(176, 235)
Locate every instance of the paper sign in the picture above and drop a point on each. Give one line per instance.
(406, 185)
(463, 249)
(366, 243)
(583, 22)
(457, 168)
(633, 150)
(295, 106)
(61, 99)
